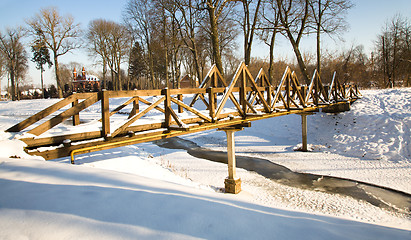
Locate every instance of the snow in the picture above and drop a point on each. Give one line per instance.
(145, 191)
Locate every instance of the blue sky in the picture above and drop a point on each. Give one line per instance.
(366, 20)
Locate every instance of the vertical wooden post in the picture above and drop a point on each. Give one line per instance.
(316, 87)
(269, 97)
(304, 132)
(288, 93)
(303, 90)
(180, 98)
(212, 102)
(76, 117)
(243, 93)
(136, 107)
(327, 91)
(167, 106)
(343, 93)
(105, 114)
(232, 183)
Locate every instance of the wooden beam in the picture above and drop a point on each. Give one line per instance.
(136, 107)
(42, 114)
(64, 115)
(149, 103)
(196, 112)
(105, 113)
(76, 117)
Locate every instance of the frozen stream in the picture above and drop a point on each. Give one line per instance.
(375, 195)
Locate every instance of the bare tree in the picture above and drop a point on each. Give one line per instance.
(328, 17)
(97, 39)
(119, 47)
(249, 21)
(269, 26)
(294, 16)
(2, 66)
(15, 57)
(215, 10)
(60, 34)
(137, 16)
(393, 51)
(187, 18)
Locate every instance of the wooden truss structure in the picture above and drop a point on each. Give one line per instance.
(217, 103)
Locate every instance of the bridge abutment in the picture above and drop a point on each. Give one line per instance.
(337, 108)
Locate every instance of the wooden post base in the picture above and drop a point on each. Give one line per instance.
(232, 185)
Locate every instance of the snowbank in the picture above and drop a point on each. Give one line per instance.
(57, 201)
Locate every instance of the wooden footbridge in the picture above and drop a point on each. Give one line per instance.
(215, 104)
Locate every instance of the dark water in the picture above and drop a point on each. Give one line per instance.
(378, 196)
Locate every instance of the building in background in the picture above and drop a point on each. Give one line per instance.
(85, 83)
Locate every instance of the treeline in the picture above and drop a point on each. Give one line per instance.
(160, 41)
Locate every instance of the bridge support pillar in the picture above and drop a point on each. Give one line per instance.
(304, 115)
(232, 184)
(304, 132)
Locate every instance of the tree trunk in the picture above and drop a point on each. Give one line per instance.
(41, 77)
(13, 85)
(215, 40)
(104, 85)
(318, 39)
(249, 31)
(197, 66)
(271, 67)
(300, 60)
(58, 81)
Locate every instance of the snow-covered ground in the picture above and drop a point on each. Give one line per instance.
(144, 191)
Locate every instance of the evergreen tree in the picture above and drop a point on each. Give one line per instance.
(41, 56)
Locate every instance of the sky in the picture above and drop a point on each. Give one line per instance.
(365, 20)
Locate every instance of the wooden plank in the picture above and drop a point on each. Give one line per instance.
(167, 106)
(136, 107)
(85, 95)
(193, 110)
(64, 115)
(125, 104)
(204, 101)
(243, 94)
(36, 142)
(76, 117)
(133, 93)
(187, 91)
(42, 114)
(149, 103)
(212, 103)
(310, 88)
(105, 113)
(180, 98)
(174, 115)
